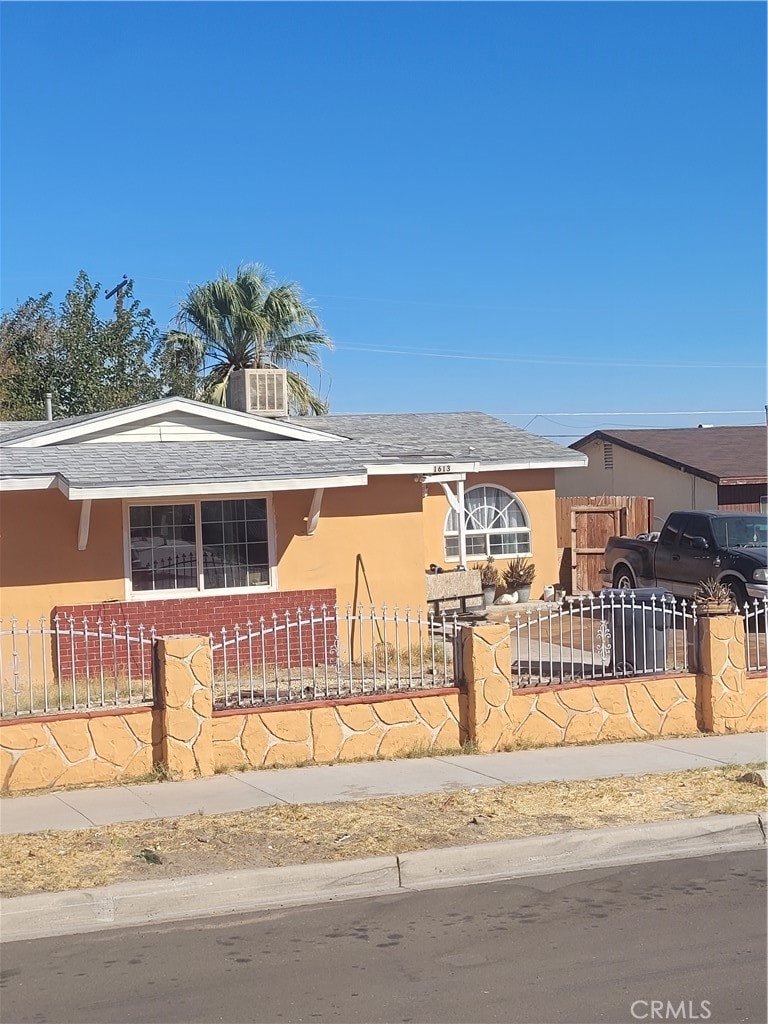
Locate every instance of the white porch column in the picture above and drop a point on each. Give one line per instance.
(462, 524)
(456, 501)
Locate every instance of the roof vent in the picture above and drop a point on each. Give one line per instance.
(607, 455)
(260, 392)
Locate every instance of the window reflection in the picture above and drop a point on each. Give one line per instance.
(234, 542)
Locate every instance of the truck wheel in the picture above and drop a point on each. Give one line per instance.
(623, 579)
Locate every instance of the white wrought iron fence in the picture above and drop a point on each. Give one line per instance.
(326, 654)
(602, 637)
(73, 665)
(756, 638)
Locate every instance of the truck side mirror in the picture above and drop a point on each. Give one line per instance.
(699, 543)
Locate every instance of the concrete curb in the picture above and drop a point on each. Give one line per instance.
(127, 904)
(588, 848)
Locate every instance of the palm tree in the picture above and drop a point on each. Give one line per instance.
(245, 322)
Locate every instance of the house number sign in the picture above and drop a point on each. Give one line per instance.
(442, 469)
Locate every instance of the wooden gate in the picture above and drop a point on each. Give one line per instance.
(584, 526)
(591, 527)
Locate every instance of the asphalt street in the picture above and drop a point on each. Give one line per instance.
(615, 945)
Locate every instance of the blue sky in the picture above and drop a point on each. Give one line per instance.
(519, 208)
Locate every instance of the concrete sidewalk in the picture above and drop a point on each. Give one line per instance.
(86, 808)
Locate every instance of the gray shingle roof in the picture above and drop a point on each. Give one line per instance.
(372, 440)
(466, 435)
(110, 465)
(14, 430)
(17, 428)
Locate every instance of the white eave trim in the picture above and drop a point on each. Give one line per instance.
(435, 467)
(137, 413)
(451, 470)
(28, 483)
(173, 489)
(570, 463)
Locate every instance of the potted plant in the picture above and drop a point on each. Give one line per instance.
(712, 597)
(518, 577)
(490, 579)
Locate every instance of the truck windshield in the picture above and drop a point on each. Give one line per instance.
(741, 531)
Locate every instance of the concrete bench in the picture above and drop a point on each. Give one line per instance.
(447, 591)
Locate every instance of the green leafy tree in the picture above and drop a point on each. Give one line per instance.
(248, 321)
(27, 358)
(87, 363)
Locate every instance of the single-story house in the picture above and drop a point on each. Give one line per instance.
(189, 516)
(681, 468)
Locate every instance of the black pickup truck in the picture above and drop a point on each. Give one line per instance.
(694, 546)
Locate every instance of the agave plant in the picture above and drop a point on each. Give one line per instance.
(489, 573)
(519, 573)
(713, 593)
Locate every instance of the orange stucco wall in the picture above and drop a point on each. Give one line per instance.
(395, 531)
(382, 523)
(535, 489)
(40, 566)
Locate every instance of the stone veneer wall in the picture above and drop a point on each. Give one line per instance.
(76, 749)
(755, 718)
(184, 685)
(347, 730)
(186, 734)
(721, 698)
(731, 700)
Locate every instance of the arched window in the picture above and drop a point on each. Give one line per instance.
(497, 524)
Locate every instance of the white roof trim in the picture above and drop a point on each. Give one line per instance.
(537, 464)
(28, 483)
(408, 468)
(453, 467)
(150, 410)
(173, 489)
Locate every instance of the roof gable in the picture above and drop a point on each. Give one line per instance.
(720, 454)
(168, 419)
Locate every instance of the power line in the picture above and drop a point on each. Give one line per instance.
(686, 412)
(436, 303)
(473, 357)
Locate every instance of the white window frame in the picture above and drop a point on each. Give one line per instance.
(199, 591)
(475, 533)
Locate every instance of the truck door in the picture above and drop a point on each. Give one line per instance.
(698, 554)
(667, 554)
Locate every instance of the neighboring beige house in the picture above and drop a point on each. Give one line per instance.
(681, 468)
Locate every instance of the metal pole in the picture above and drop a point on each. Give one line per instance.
(462, 524)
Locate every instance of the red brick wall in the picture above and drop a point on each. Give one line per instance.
(194, 615)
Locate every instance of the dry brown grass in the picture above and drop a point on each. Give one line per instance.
(36, 697)
(298, 834)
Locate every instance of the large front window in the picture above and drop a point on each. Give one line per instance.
(496, 524)
(199, 545)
